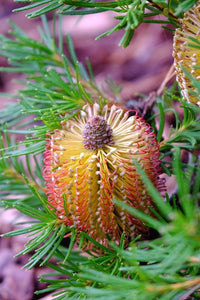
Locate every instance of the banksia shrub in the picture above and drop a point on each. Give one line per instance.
(77, 167)
(187, 53)
(90, 161)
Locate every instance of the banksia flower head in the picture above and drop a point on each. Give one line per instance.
(90, 161)
(187, 55)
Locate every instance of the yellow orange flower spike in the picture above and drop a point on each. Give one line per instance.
(186, 55)
(90, 161)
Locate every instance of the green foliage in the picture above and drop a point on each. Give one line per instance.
(55, 85)
(130, 14)
(179, 6)
(164, 268)
(46, 234)
(184, 133)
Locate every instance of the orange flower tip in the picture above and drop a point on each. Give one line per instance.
(89, 162)
(186, 55)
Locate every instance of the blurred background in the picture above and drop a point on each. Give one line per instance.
(140, 68)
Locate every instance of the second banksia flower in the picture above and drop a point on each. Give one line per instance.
(90, 161)
(186, 52)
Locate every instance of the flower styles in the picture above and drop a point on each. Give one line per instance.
(188, 55)
(90, 161)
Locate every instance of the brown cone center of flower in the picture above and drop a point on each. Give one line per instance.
(97, 133)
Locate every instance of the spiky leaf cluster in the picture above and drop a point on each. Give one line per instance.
(129, 14)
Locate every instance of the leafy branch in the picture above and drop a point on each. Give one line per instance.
(129, 13)
(185, 132)
(56, 87)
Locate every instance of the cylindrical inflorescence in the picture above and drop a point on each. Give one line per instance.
(186, 52)
(90, 161)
